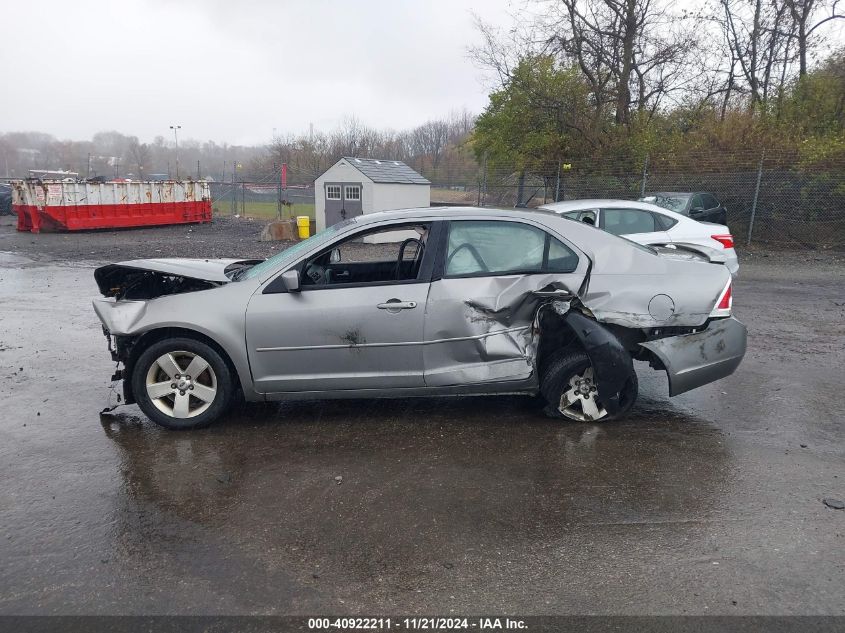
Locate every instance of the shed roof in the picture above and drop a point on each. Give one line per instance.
(386, 171)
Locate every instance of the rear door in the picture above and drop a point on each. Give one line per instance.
(480, 306)
(639, 225)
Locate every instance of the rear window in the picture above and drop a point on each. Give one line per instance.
(674, 203)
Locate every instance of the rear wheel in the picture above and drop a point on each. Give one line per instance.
(182, 383)
(569, 387)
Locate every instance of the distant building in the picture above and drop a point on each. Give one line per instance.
(354, 186)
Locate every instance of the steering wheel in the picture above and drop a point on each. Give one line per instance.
(401, 258)
(473, 251)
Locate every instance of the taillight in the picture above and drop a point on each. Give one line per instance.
(724, 302)
(727, 241)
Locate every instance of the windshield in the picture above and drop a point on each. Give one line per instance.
(674, 203)
(289, 255)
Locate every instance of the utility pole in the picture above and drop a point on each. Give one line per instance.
(198, 170)
(175, 129)
(88, 175)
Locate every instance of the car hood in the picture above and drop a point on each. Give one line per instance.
(204, 269)
(148, 278)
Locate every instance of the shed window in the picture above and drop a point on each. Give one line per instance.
(332, 192)
(352, 192)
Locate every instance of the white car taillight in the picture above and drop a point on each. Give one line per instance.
(723, 303)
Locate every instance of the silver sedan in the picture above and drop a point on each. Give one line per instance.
(430, 301)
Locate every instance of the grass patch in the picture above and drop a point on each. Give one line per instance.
(263, 210)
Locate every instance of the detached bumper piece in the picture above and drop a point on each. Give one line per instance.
(693, 360)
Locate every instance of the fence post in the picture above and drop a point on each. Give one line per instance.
(645, 177)
(756, 195)
(234, 191)
(557, 182)
(277, 172)
(520, 188)
(243, 199)
(482, 192)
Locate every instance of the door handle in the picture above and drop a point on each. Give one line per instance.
(395, 305)
(342, 273)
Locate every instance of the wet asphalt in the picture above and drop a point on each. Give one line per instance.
(708, 503)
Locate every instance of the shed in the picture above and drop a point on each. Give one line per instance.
(353, 186)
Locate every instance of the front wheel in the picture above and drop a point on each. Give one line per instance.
(569, 387)
(182, 383)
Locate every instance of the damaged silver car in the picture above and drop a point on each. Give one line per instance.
(429, 301)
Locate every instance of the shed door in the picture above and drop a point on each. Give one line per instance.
(343, 200)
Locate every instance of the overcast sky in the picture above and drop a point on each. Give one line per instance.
(233, 71)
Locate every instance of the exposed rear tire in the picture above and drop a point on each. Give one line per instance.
(181, 383)
(569, 388)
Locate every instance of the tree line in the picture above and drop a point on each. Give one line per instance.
(111, 154)
(606, 79)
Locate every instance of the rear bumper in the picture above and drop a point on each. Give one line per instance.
(693, 360)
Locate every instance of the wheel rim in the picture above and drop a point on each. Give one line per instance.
(181, 384)
(579, 400)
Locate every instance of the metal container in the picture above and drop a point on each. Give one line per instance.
(55, 205)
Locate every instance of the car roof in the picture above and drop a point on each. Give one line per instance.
(445, 213)
(673, 193)
(581, 234)
(593, 203)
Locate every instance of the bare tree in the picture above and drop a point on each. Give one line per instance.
(803, 13)
(139, 154)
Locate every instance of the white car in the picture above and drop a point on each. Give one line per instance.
(652, 225)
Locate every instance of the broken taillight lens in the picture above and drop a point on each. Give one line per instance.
(727, 241)
(724, 303)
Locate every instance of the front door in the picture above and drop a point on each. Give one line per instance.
(357, 322)
(343, 200)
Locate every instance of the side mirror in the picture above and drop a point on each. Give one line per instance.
(334, 257)
(290, 280)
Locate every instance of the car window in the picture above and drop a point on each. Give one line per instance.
(710, 201)
(388, 254)
(561, 258)
(664, 222)
(588, 217)
(571, 215)
(289, 255)
(678, 203)
(628, 221)
(697, 202)
(490, 247)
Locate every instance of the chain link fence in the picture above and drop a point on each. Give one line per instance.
(772, 198)
(264, 196)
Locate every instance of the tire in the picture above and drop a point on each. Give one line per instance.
(559, 376)
(203, 397)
